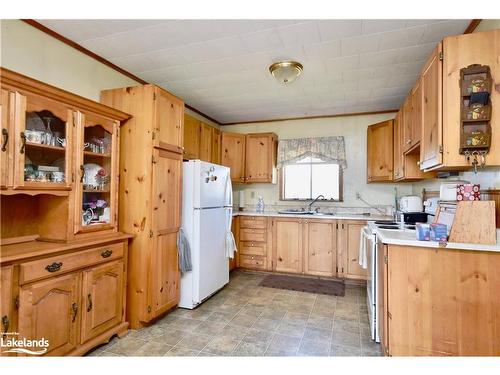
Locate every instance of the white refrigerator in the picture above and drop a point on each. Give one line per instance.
(206, 209)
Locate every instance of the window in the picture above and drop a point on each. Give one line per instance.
(309, 177)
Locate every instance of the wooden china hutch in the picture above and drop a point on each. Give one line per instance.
(63, 259)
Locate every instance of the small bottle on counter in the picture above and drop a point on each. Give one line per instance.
(260, 205)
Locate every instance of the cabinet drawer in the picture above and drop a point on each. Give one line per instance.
(257, 235)
(253, 248)
(255, 222)
(53, 266)
(252, 261)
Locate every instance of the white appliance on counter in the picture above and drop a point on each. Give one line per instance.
(410, 203)
(207, 204)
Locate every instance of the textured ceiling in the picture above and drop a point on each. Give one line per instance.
(220, 67)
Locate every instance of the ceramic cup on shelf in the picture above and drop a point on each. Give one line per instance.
(34, 136)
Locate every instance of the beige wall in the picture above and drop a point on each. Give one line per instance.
(488, 24)
(353, 128)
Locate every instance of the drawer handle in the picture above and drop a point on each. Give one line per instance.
(5, 323)
(89, 302)
(107, 253)
(54, 267)
(74, 308)
(5, 134)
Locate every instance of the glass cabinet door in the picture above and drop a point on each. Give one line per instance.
(42, 145)
(97, 172)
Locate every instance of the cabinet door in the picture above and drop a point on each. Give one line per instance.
(416, 120)
(380, 152)
(169, 121)
(233, 155)
(102, 299)
(192, 128)
(7, 299)
(165, 274)
(432, 126)
(50, 309)
(216, 141)
(459, 52)
(260, 157)
(205, 142)
(96, 168)
(407, 123)
(36, 119)
(167, 182)
(350, 234)
(7, 137)
(398, 152)
(320, 245)
(381, 297)
(287, 239)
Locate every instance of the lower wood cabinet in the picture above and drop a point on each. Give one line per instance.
(349, 234)
(103, 299)
(308, 246)
(75, 307)
(320, 245)
(51, 309)
(165, 274)
(440, 302)
(288, 247)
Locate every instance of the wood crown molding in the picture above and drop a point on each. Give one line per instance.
(108, 63)
(472, 26)
(13, 80)
(313, 117)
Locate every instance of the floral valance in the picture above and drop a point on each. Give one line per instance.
(329, 149)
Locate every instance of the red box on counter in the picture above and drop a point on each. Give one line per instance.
(468, 192)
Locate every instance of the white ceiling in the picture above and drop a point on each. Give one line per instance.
(220, 67)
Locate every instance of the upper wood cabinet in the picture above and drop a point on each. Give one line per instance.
(432, 128)
(51, 309)
(216, 145)
(398, 142)
(205, 142)
(233, 155)
(260, 161)
(169, 120)
(192, 129)
(320, 245)
(416, 115)
(348, 244)
(380, 152)
(7, 139)
(287, 240)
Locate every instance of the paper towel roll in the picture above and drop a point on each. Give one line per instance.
(241, 200)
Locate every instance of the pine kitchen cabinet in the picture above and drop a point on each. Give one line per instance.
(348, 235)
(320, 245)
(205, 142)
(288, 245)
(380, 164)
(8, 296)
(260, 159)
(441, 109)
(192, 129)
(150, 197)
(398, 151)
(216, 146)
(233, 155)
(439, 302)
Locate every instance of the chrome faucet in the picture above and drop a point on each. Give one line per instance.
(314, 201)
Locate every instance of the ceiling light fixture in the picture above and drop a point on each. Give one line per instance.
(286, 71)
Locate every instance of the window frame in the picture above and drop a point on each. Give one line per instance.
(281, 179)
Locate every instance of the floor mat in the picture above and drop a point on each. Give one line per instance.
(305, 284)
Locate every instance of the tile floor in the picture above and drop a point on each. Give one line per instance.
(245, 319)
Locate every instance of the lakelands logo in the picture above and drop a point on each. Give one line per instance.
(10, 343)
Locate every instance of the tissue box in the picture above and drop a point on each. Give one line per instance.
(468, 192)
(438, 232)
(423, 232)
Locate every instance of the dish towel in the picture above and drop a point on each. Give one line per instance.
(184, 252)
(230, 242)
(362, 248)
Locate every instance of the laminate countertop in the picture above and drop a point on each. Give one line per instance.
(339, 216)
(407, 238)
